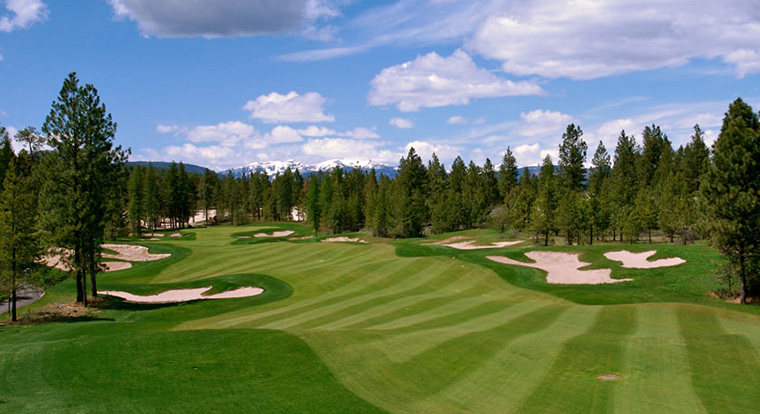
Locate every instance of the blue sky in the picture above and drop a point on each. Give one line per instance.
(228, 82)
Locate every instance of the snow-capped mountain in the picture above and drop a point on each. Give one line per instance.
(272, 168)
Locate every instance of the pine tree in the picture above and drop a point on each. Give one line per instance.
(80, 172)
(6, 153)
(508, 174)
(545, 206)
(136, 200)
(491, 185)
(410, 204)
(31, 139)
(19, 241)
(731, 189)
(572, 156)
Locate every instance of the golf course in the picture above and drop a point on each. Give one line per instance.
(376, 325)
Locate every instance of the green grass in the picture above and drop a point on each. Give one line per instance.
(397, 327)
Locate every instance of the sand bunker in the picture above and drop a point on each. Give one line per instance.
(639, 260)
(343, 239)
(175, 235)
(185, 295)
(470, 245)
(562, 268)
(301, 238)
(275, 234)
(132, 253)
(114, 266)
(446, 241)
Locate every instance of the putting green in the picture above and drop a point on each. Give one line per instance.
(390, 327)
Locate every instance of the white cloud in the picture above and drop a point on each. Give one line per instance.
(433, 81)
(446, 153)
(320, 131)
(220, 18)
(22, 14)
(403, 123)
(543, 122)
(282, 134)
(348, 148)
(320, 54)
(289, 108)
(457, 120)
(589, 39)
(227, 133)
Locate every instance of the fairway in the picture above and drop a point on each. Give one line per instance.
(401, 327)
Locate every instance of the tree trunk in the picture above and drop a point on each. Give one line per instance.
(80, 290)
(743, 279)
(650, 236)
(93, 279)
(546, 238)
(13, 285)
(590, 235)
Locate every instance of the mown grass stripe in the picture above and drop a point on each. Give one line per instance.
(364, 281)
(413, 282)
(405, 307)
(502, 382)
(723, 366)
(571, 385)
(656, 367)
(416, 340)
(438, 284)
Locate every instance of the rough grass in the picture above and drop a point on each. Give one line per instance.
(400, 327)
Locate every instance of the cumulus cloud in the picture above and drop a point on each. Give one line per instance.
(22, 14)
(403, 123)
(592, 39)
(220, 18)
(446, 153)
(433, 81)
(348, 148)
(289, 108)
(543, 122)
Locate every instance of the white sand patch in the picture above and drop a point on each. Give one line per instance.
(301, 238)
(200, 215)
(446, 241)
(157, 234)
(283, 233)
(114, 266)
(639, 260)
(562, 268)
(470, 245)
(343, 239)
(132, 253)
(175, 235)
(185, 295)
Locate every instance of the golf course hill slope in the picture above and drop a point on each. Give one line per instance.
(408, 326)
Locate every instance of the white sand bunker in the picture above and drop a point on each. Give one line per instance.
(444, 242)
(275, 234)
(114, 266)
(639, 260)
(562, 268)
(132, 253)
(343, 239)
(185, 295)
(175, 235)
(470, 245)
(301, 238)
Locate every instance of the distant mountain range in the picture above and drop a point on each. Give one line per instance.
(272, 168)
